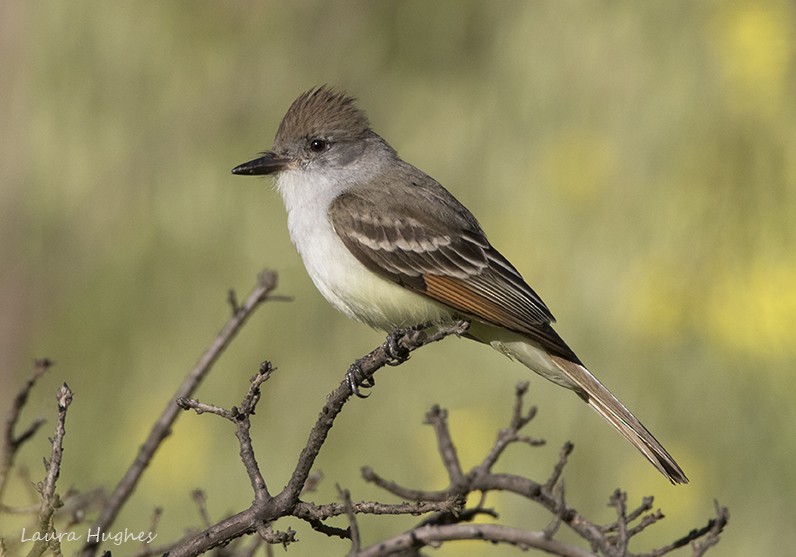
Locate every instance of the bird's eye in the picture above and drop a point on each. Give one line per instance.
(318, 145)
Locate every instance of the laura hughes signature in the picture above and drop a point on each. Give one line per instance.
(91, 536)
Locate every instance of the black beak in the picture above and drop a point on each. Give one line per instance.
(269, 163)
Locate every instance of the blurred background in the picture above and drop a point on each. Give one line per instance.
(636, 161)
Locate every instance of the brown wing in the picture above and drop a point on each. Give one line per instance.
(421, 237)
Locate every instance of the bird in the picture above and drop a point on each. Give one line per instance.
(389, 246)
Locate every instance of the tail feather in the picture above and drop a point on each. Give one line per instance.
(576, 377)
(608, 406)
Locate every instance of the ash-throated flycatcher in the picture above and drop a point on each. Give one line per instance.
(387, 245)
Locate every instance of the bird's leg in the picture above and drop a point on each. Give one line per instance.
(353, 374)
(395, 353)
(392, 346)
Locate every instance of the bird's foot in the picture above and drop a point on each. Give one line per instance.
(353, 376)
(392, 346)
(396, 355)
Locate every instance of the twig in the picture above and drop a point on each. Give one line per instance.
(646, 520)
(611, 540)
(551, 529)
(266, 284)
(275, 536)
(12, 442)
(312, 483)
(200, 498)
(618, 500)
(146, 549)
(510, 435)
(646, 505)
(311, 511)
(243, 418)
(265, 509)
(712, 537)
(369, 364)
(495, 533)
(563, 455)
(710, 532)
(201, 408)
(438, 419)
(330, 531)
(49, 499)
(450, 518)
(356, 541)
(481, 479)
(370, 475)
(459, 514)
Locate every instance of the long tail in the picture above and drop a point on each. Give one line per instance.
(608, 406)
(577, 378)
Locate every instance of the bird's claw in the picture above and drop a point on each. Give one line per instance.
(392, 347)
(396, 354)
(354, 384)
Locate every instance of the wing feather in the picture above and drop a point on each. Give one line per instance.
(436, 247)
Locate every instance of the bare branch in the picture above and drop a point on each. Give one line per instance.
(611, 540)
(369, 475)
(618, 500)
(49, 499)
(368, 364)
(200, 498)
(646, 520)
(147, 549)
(446, 515)
(438, 419)
(311, 511)
(646, 505)
(709, 532)
(353, 529)
(201, 408)
(11, 441)
(449, 519)
(276, 537)
(712, 537)
(551, 529)
(266, 284)
(494, 533)
(265, 509)
(563, 455)
(510, 434)
(243, 419)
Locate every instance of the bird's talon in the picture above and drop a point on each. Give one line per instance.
(367, 381)
(360, 394)
(398, 354)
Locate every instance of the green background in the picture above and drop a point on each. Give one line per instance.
(636, 161)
